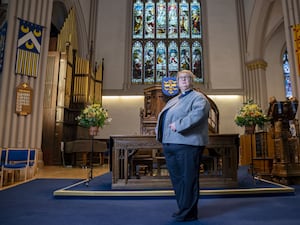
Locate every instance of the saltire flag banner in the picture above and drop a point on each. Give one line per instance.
(29, 48)
(169, 86)
(3, 29)
(296, 31)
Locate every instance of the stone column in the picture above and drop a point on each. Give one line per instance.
(17, 130)
(256, 83)
(291, 13)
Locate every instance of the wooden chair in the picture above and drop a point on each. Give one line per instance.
(15, 160)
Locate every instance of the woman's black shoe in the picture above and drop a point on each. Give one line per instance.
(186, 219)
(175, 214)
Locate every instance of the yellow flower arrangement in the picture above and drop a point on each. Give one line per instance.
(250, 114)
(93, 116)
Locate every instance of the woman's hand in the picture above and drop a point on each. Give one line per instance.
(173, 127)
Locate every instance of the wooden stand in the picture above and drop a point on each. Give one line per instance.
(286, 136)
(257, 150)
(286, 166)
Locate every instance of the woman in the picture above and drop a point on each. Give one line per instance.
(182, 128)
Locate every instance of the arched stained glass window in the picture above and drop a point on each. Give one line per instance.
(166, 37)
(138, 19)
(161, 61)
(161, 20)
(172, 19)
(185, 56)
(184, 21)
(197, 61)
(286, 73)
(149, 63)
(149, 19)
(196, 20)
(137, 59)
(173, 58)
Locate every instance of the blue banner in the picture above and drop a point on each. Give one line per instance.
(29, 48)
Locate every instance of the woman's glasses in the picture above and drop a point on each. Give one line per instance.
(184, 78)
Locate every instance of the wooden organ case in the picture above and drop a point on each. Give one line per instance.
(72, 81)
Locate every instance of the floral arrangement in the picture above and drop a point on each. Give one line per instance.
(250, 114)
(93, 116)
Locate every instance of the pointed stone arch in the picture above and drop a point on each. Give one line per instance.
(62, 7)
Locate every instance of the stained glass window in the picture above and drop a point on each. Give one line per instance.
(173, 58)
(161, 61)
(286, 73)
(184, 22)
(185, 56)
(161, 20)
(137, 59)
(197, 61)
(172, 19)
(196, 19)
(166, 37)
(149, 19)
(149, 62)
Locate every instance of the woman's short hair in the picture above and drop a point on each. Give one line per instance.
(187, 72)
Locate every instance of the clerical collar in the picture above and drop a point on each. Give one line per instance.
(184, 93)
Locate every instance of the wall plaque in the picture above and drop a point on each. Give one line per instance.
(23, 99)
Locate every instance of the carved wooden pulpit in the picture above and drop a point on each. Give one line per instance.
(155, 100)
(286, 163)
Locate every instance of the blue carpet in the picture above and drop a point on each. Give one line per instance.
(104, 182)
(32, 203)
(101, 186)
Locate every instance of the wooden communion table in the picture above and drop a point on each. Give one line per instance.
(218, 169)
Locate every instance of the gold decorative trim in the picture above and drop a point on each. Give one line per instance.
(259, 64)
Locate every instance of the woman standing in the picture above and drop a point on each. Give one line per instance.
(182, 128)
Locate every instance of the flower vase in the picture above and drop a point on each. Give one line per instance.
(93, 131)
(250, 129)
